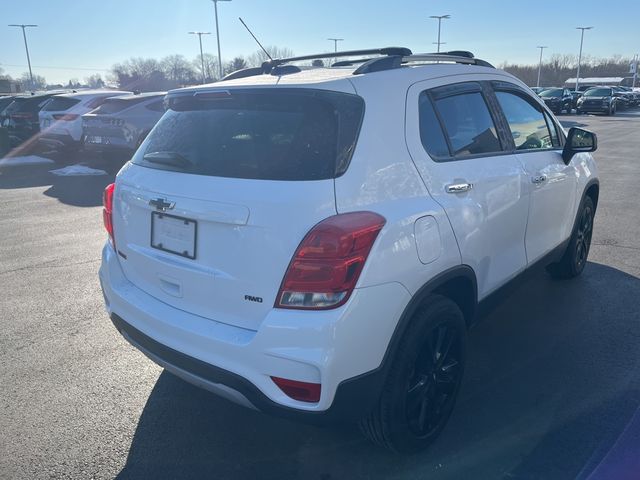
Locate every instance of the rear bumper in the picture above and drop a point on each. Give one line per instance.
(57, 140)
(342, 349)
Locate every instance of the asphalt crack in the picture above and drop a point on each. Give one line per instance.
(49, 264)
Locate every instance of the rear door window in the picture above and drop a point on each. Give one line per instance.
(288, 134)
(466, 120)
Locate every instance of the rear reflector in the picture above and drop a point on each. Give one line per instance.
(107, 211)
(301, 391)
(326, 266)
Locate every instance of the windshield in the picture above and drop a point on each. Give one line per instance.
(276, 135)
(598, 92)
(553, 92)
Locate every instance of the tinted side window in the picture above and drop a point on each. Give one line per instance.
(468, 124)
(430, 130)
(527, 123)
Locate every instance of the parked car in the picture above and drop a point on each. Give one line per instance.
(575, 95)
(5, 101)
(625, 99)
(21, 116)
(598, 100)
(538, 90)
(316, 244)
(635, 95)
(558, 99)
(120, 124)
(61, 121)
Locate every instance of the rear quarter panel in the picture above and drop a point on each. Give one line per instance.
(382, 178)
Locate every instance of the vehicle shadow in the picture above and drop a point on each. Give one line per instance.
(551, 382)
(76, 190)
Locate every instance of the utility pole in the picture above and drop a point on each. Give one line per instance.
(540, 64)
(335, 45)
(26, 47)
(215, 7)
(580, 55)
(635, 70)
(204, 75)
(439, 18)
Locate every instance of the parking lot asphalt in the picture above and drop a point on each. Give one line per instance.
(553, 375)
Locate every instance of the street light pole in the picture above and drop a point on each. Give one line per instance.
(26, 47)
(335, 45)
(580, 55)
(540, 64)
(204, 76)
(215, 7)
(439, 18)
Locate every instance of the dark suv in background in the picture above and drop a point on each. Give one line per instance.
(598, 100)
(21, 117)
(557, 99)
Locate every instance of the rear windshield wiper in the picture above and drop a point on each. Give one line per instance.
(173, 159)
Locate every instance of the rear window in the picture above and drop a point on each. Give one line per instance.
(289, 134)
(115, 105)
(60, 104)
(27, 104)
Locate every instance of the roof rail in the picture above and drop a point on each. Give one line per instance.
(392, 62)
(388, 51)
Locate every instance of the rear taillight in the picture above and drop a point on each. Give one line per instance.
(23, 115)
(66, 117)
(328, 262)
(301, 391)
(107, 211)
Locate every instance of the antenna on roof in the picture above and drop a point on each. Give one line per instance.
(254, 37)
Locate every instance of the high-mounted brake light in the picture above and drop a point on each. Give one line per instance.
(107, 211)
(325, 268)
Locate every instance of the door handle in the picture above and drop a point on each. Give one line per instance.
(538, 179)
(459, 187)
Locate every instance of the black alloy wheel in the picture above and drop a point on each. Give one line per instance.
(583, 240)
(433, 382)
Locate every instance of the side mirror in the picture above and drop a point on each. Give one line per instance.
(579, 140)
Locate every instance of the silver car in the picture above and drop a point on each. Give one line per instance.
(120, 124)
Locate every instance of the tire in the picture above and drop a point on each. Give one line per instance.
(575, 257)
(423, 381)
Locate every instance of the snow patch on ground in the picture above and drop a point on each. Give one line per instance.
(26, 160)
(74, 170)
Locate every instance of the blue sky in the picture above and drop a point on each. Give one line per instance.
(82, 35)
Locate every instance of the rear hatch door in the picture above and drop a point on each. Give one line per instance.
(222, 191)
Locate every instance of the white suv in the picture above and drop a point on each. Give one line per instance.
(314, 243)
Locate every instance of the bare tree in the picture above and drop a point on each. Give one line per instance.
(238, 63)
(178, 69)
(94, 81)
(258, 57)
(210, 67)
(39, 82)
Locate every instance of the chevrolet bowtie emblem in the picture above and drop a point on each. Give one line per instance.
(161, 204)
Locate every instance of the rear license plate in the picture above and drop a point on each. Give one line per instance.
(94, 139)
(174, 234)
